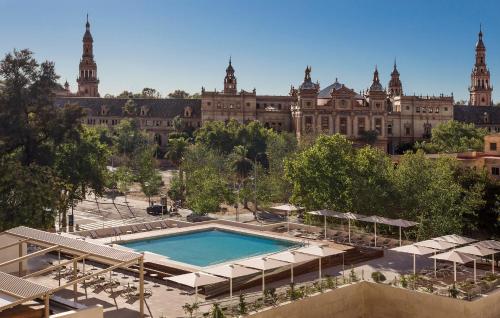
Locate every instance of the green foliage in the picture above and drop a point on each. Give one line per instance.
(176, 191)
(369, 137)
(242, 305)
(453, 136)
(124, 179)
(378, 277)
(128, 138)
(190, 309)
(178, 94)
(176, 149)
(216, 311)
(321, 174)
(453, 291)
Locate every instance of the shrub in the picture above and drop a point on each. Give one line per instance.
(453, 291)
(242, 305)
(378, 277)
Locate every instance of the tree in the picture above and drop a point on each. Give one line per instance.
(146, 172)
(129, 139)
(81, 167)
(178, 124)
(32, 129)
(372, 188)
(369, 137)
(178, 94)
(240, 164)
(176, 149)
(150, 93)
(124, 179)
(320, 175)
(453, 136)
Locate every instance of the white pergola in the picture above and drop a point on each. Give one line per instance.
(263, 264)
(377, 219)
(287, 209)
(21, 290)
(230, 271)
(455, 257)
(436, 246)
(476, 251)
(196, 280)
(455, 238)
(415, 250)
(349, 216)
(320, 252)
(293, 257)
(324, 214)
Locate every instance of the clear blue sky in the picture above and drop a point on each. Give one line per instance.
(186, 44)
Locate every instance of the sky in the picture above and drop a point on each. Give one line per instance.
(186, 44)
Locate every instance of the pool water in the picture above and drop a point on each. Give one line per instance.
(209, 247)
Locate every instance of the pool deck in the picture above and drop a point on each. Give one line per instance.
(163, 260)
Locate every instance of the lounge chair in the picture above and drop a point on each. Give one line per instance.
(148, 226)
(164, 225)
(93, 235)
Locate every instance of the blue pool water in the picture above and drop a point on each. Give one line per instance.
(210, 247)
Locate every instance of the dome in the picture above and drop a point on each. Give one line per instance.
(327, 91)
(376, 86)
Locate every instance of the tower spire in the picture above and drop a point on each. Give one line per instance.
(87, 79)
(480, 88)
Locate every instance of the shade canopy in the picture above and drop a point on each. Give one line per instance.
(495, 245)
(293, 257)
(377, 219)
(454, 256)
(320, 251)
(454, 238)
(196, 279)
(350, 216)
(262, 263)
(413, 249)
(475, 250)
(287, 208)
(402, 223)
(230, 271)
(324, 213)
(437, 245)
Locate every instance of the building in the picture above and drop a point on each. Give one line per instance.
(384, 117)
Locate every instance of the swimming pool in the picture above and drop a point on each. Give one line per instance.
(209, 247)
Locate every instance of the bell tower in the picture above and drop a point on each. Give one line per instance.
(230, 80)
(87, 79)
(480, 88)
(395, 86)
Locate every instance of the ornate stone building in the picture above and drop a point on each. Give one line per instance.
(385, 117)
(88, 83)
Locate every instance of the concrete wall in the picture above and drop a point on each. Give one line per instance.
(371, 300)
(91, 312)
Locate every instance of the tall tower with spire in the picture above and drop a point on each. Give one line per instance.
(480, 88)
(87, 79)
(230, 80)
(395, 88)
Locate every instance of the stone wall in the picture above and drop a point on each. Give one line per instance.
(371, 300)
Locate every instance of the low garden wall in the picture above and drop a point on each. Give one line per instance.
(372, 300)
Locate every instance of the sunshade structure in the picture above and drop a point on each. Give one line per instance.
(231, 271)
(377, 219)
(293, 257)
(196, 280)
(436, 246)
(320, 252)
(402, 224)
(263, 264)
(454, 238)
(494, 245)
(287, 209)
(349, 216)
(477, 251)
(455, 257)
(415, 250)
(21, 290)
(325, 214)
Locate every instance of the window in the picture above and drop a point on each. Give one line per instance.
(495, 171)
(325, 124)
(389, 129)
(258, 106)
(361, 125)
(309, 121)
(378, 125)
(308, 104)
(437, 110)
(343, 125)
(417, 109)
(342, 103)
(446, 109)
(209, 103)
(493, 146)
(218, 105)
(407, 130)
(424, 110)
(430, 109)
(377, 105)
(407, 107)
(248, 104)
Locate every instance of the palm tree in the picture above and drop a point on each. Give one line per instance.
(178, 123)
(241, 166)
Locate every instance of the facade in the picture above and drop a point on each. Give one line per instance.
(384, 117)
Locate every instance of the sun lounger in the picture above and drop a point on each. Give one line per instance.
(148, 226)
(164, 225)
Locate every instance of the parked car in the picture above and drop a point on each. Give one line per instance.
(157, 209)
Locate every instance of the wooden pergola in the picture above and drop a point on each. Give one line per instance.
(22, 290)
